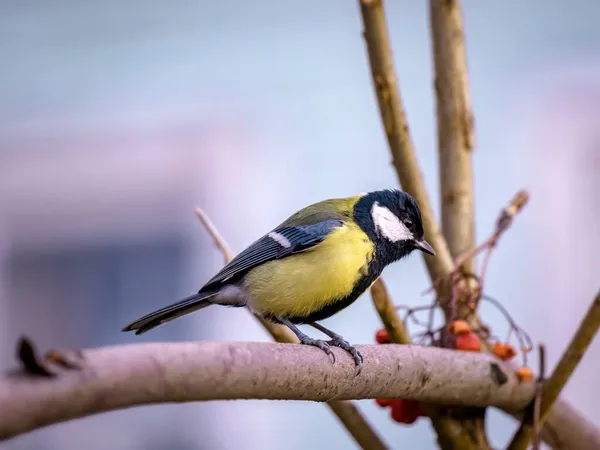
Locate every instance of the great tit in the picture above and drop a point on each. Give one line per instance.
(313, 265)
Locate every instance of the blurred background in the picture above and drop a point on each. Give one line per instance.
(118, 119)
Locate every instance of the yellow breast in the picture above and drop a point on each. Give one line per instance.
(301, 284)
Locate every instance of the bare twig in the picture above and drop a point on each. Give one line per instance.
(503, 223)
(355, 422)
(455, 126)
(570, 359)
(396, 129)
(128, 375)
(525, 343)
(348, 413)
(387, 312)
(212, 230)
(537, 402)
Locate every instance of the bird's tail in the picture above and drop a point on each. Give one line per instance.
(168, 313)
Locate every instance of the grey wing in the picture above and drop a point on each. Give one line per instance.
(279, 243)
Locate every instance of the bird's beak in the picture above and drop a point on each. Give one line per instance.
(425, 247)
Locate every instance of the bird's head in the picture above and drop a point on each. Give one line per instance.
(392, 219)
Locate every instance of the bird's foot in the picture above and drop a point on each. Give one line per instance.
(338, 341)
(323, 345)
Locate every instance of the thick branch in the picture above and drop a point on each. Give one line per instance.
(396, 129)
(577, 347)
(567, 428)
(130, 375)
(346, 411)
(455, 126)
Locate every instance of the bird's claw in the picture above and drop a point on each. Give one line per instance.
(323, 345)
(336, 341)
(340, 342)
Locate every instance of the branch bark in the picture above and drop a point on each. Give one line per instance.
(455, 144)
(139, 374)
(454, 127)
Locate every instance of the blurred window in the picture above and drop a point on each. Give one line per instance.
(83, 296)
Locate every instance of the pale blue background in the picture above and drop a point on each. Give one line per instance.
(117, 119)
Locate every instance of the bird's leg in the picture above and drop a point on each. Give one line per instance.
(307, 340)
(339, 341)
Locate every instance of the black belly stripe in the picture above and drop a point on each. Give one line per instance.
(359, 288)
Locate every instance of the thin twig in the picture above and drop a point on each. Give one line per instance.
(214, 233)
(537, 402)
(454, 126)
(355, 421)
(467, 288)
(387, 312)
(348, 413)
(503, 223)
(525, 343)
(570, 359)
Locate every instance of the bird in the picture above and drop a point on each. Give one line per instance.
(316, 263)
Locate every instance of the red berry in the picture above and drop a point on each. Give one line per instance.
(468, 342)
(504, 351)
(396, 403)
(459, 327)
(384, 402)
(406, 411)
(382, 336)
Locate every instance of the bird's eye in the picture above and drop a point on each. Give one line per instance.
(408, 222)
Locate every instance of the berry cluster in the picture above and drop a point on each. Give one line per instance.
(408, 411)
(467, 340)
(402, 411)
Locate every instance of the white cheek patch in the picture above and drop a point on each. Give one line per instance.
(388, 224)
(280, 239)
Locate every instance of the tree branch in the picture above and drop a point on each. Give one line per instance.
(564, 423)
(566, 428)
(577, 347)
(348, 413)
(397, 132)
(138, 374)
(356, 424)
(401, 146)
(454, 127)
(387, 312)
